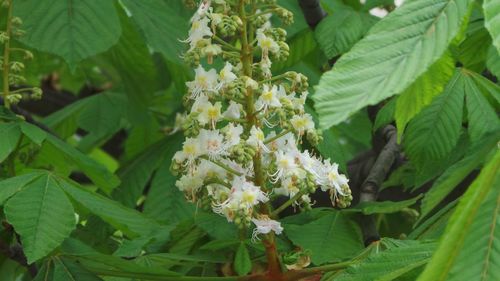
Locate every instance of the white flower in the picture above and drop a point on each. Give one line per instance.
(311, 164)
(226, 75)
(268, 98)
(202, 10)
(264, 226)
(233, 134)
(199, 104)
(199, 29)
(250, 83)
(257, 138)
(213, 143)
(204, 81)
(210, 114)
(210, 51)
(332, 178)
(246, 193)
(302, 123)
(288, 188)
(191, 150)
(266, 43)
(265, 65)
(189, 184)
(233, 111)
(208, 169)
(285, 163)
(243, 196)
(180, 119)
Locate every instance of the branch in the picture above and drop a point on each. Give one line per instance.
(378, 173)
(313, 13)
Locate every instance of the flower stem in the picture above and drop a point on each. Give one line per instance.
(285, 205)
(6, 54)
(222, 165)
(282, 133)
(274, 268)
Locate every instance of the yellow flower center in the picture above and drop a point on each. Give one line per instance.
(267, 96)
(213, 112)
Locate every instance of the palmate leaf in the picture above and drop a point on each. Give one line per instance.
(422, 91)
(42, 215)
(492, 20)
(396, 51)
(389, 264)
(475, 209)
(330, 238)
(74, 30)
(62, 269)
(434, 132)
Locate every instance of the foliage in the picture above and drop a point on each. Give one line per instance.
(97, 101)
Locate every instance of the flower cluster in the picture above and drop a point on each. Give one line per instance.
(245, 127)
(12, 69)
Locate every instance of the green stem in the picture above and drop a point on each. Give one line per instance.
(282, 133)
(285, 205)
(225, 44)
(6, 55)
(222, 165)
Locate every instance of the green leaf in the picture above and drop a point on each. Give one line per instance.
(493, 61)
(434, 227)
(457, 172)
(101, 176)
(384, 207)
(482, 117)
(492, 23)
(164, 201)
(42, 215)
(434, 132)
(10, 133)
(34, 133)
(65, 269)
(479, 259)
(490, 89)
(473, 50)
(385, 115)
(339, 31)
(331, 238)
(74, 30)
(242, 262)
(103, 115)
(461, 223)
(64, 121)
(11, 186)
(389, 264)
(163, 25)
(136, 174)
(421, 93)
(129, 221)
(396, 51)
